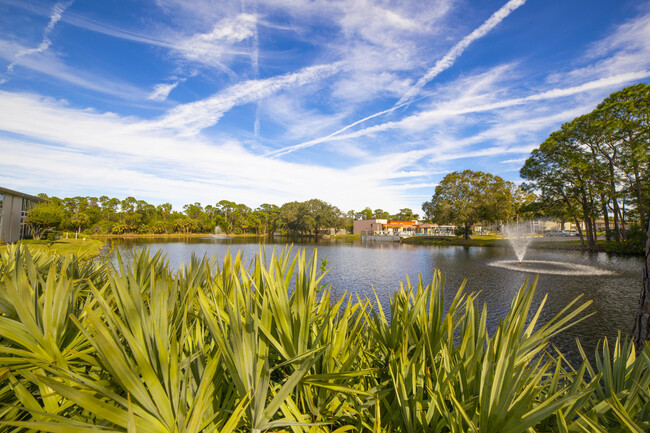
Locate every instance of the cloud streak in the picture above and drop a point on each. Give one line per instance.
(191, 118)
(446, 62)
(55, 17)
(425, 119)
(161, 91)
(450, 58)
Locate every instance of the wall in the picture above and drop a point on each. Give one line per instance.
(11, 208)
(12, 214)
(368, 226)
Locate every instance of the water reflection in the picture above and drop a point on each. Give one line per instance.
(356, 267)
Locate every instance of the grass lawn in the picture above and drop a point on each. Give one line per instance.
(88, 247)
(482, 241)
(173, 235)
(347, 238)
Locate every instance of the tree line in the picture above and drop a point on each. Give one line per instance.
(598, 166)
(108, 215)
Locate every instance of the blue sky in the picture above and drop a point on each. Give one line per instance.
(356, 102)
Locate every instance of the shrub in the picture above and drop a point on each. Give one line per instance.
(635, 243)
(231, 347)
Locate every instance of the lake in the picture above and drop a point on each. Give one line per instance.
(357, 267)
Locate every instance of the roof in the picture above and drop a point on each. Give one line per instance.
(19, 194)
(428, 225)
(401, 224)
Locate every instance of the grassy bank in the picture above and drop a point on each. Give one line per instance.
(231, 348)
(347, 238)
(169, 235)
(536, 244)
(451, 240)
(79, 247)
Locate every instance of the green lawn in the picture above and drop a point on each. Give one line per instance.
(88, 247)
(483, 241)
(347, 238)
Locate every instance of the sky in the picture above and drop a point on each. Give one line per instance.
(355, 102)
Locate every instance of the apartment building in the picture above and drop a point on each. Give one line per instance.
(14, 206)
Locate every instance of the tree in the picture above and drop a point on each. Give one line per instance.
(468, 197)
(381, 214)
(44, 216)
(226, 208)
(269, 215)
(292, 217)
(365, 214)
(405, 214)
(598, 165)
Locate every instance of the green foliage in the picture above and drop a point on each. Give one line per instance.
(44, 216)
(463, 231)
(634, 244)
(598, 166)
(131, 216)
(309, 216)
(405, 214)
(468, 197)
(266, 347)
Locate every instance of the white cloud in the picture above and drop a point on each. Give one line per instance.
(48, 64)
(514, 161)
(473, 103)
(106, 149)
(191, 118)
(296, 117)
(458, 49)
(211, 47)
(55, 17)
(161, 91)
(360, 87)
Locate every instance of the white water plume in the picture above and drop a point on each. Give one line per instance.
(519, 235)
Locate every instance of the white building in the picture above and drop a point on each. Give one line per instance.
(13, 211)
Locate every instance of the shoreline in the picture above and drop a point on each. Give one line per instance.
(536, 244)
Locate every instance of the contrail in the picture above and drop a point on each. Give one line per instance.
(289, 149)
(458, 49)
(57, 13)
(440, 66)
(549, 94)
(255, 60)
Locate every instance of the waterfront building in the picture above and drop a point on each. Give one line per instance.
(393, 228)
(14, 206)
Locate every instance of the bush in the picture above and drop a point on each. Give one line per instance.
(52, 235)
(139, 347)
(461, 231)
(635, 243)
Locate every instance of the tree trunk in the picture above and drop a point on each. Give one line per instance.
(641, 331)
(606, 218)
(466, 231)
(582, 238)
(595, 232)
(591, 245)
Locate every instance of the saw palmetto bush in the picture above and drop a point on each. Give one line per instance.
(223, 346)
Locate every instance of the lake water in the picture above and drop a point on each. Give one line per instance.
(357, 267)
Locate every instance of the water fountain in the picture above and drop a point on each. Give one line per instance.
(218, 232)
(520, 236)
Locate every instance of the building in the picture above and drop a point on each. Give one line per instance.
(13, 211)
(393, 228)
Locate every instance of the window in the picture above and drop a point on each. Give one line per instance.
(25, 230)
